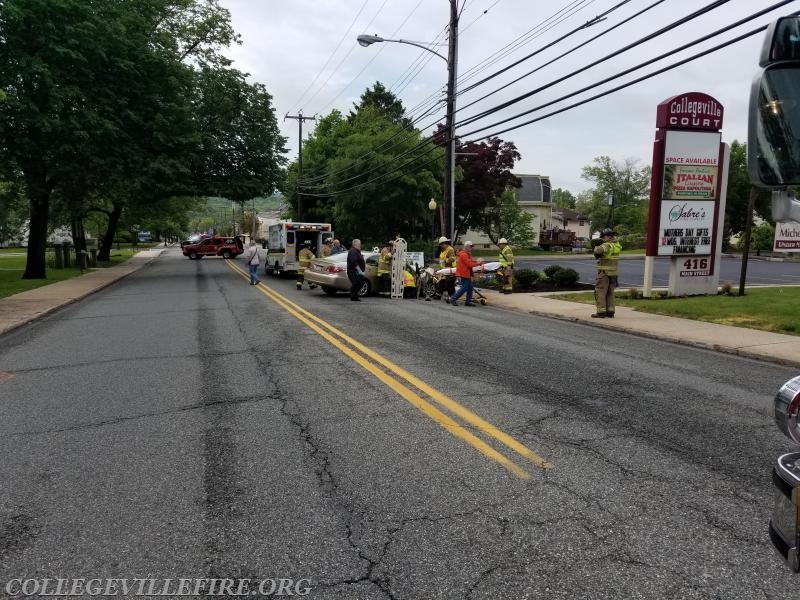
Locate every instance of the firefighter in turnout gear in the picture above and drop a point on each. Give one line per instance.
(506, 270)
(385, 270)
(607, 255)
(327, 247)
(409, 282)
(304, 257)
(447, 259)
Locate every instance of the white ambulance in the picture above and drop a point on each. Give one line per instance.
(285, 241)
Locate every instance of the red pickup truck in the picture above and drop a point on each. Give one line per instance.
(226, 247)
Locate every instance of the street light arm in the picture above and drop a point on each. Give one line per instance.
(366, 40)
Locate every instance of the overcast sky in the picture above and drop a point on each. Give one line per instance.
(305, 53)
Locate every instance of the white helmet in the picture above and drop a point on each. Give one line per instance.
(443, 240)
(468, 243)
(502, 241)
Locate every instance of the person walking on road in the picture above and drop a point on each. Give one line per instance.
(607, 255)
(252, 259)
(355, 269)
(464, 266)
(506, 259)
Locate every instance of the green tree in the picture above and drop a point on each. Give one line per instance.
(318, 152)
(485, 175)
(562, 198)
(739, 187)
(169, 217)
(242, 149)
(12, 212)
(383, 178)
(507, 219)
(762, 237)
(101, 110)
(384, 102)
(89, 85)
(627, 185)
(370, 174)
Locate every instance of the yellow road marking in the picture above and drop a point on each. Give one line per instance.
(317, 324)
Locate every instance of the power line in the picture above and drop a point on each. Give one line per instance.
(556, 112)
(602, 94)
(580, 91)
(382, 176)
(327, 62)
(623, 86)
(527, 37)
(336, 97)
(560, 56)
(638, 42)
(589, 23)
(434, 101)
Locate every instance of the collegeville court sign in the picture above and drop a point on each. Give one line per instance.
(687, 193)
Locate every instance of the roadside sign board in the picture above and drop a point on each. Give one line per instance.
(687, 193)
(787, 237)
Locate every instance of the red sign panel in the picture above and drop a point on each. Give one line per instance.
(690, 111)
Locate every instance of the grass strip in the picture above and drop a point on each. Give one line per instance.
(775, 309)
(12, 266)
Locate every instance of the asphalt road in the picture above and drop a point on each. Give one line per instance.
(183, 424)
(759, 270)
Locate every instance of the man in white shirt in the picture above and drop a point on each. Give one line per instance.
(252, 259)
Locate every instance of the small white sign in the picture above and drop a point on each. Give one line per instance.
(686, 227)
(787, 237)
(416, 258)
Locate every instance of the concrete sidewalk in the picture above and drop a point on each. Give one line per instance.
(20, 309)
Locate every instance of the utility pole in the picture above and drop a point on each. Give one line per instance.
(748, 228)
(300, 118)
(450, 150)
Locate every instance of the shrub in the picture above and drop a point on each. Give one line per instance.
(565, 277)
(526, 278)
(634, 294)
(633, 241)
(552, 270)
(488, 280)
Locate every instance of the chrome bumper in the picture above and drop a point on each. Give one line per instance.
(784, 526)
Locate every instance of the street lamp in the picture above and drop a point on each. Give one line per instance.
(452, 62)
(368, 40)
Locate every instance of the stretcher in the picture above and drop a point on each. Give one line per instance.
(489, 267)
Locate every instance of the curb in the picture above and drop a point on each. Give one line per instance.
(677, 341)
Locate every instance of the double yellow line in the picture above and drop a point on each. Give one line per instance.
(392, 374)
